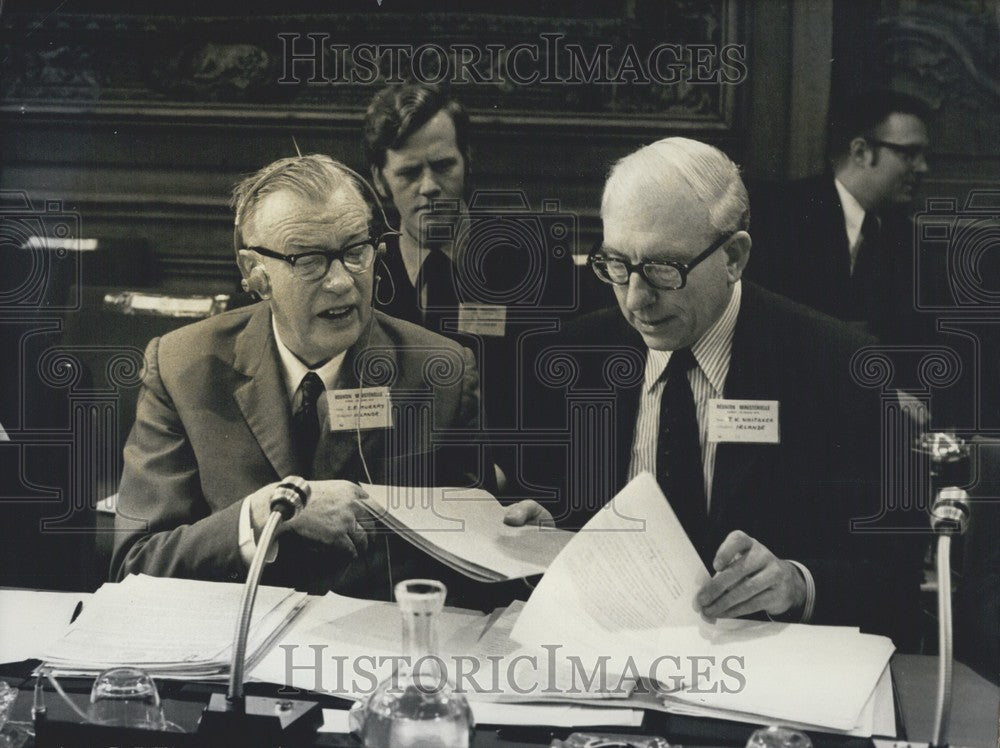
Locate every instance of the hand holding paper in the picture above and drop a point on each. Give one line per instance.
(469, 530)
(332, 517)
(750, 579)
(626, 589)
(528, 512)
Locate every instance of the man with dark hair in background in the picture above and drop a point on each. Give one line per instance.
(841, 242)
(417, 145)
(483, 274)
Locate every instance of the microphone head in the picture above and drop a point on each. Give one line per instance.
(950, 513)
(290, 496)
(949, 457)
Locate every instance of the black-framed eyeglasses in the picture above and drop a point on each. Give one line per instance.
(313, 265)
(909, 153)
(664, 275)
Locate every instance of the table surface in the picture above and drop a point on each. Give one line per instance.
(974, 717)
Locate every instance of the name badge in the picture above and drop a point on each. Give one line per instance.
(753, 421)
(483, 319)
(368, 408)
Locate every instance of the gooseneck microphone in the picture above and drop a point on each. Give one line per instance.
(259, 720)
(949, 516)
(287, 500)
(950, 511)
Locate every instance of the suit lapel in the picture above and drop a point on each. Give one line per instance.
(261, 397)
(627, 412)
(838, 263)
(627, 399)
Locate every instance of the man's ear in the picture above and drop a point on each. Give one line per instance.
(378, 179)
(737, 251)
(859, 150)
(245, 260)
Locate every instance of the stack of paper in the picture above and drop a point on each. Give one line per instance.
(623, 591)
(30, 620)
(346, 647)
(171, 628)
(464, 529)
(613, 623)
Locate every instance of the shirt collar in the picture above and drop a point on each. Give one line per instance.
(294, 369)
(854, 213)
(713, 351)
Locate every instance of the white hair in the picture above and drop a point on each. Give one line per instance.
(643, 180)
(312, 177)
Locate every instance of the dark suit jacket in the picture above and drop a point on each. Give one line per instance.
(797, 497)
(213, 425)
(800, 250)
(536, 287)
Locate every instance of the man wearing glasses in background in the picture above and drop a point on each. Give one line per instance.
(841, 242)
(737, 400)
(235, 403)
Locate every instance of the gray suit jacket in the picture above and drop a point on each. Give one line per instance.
(213, 425)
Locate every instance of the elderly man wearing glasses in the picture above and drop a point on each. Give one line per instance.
(311, 381)
(739, 401)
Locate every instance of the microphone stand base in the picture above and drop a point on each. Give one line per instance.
(259, 720)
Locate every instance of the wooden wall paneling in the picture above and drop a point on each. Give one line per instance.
(150, 150)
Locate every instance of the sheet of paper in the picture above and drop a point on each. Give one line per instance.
(168, 624)
(877, 718)
(467, 524)
(31, 621)
(883, 706)
(513, 672)
(624, 588)
(632, 567)
(821, 675)
(794, 672)
(345, 646)
(335, 720)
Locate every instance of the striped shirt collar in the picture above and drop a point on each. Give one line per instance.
(713, 350)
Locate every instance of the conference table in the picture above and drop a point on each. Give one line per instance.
(974, 718)
(974, 722)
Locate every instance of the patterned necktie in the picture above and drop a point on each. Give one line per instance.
(305, 422)
(679, 468)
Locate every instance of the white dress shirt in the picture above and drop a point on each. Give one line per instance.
(854, 217)
(713, 353)
(294, 370)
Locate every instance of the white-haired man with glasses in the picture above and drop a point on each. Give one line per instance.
(233, 404)
(739, 401)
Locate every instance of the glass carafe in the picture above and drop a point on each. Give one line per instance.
(416, 705)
